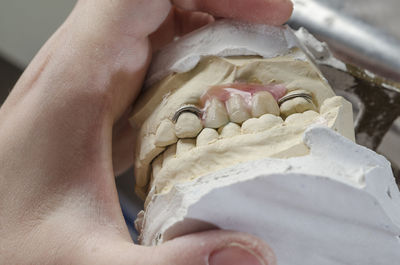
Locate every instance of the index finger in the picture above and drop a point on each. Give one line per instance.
(274, 12)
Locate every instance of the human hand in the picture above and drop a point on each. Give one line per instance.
(64, 135)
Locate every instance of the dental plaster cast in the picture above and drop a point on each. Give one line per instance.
(225, 141)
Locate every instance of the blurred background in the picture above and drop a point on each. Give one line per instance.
(25, 25)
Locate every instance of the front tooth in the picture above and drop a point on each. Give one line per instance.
(207, 136)
(236, 107)
(265, 122)
(188, 125)
(169, 154)
(185, 145)
(263, 103)
(216, 114)
(229, 130)
(165, 134)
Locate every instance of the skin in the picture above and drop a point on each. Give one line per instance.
(65, 135)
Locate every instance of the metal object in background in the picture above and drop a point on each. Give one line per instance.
(375, 100)
(375, 93)
(350, 38)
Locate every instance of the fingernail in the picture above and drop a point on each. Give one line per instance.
(234, 255)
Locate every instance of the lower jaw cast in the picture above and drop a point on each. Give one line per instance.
(228, 111)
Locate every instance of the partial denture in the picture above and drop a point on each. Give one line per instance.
(263, 103)
(239, 102)
(237, 109)
(297, 101)
(215, 115)
(188, 125)
(186, 108)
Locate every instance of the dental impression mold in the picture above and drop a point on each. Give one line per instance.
(240, 130)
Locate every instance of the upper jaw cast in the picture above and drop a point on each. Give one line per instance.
(228, 104)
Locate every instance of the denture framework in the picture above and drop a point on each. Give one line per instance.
(221, 99)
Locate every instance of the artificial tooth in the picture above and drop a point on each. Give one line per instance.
(237, 110)
(188, 125)
(165, 134)
(169, 154)
(185, 145)
(207, 136)
(186, 108)
(296, 104)
(263, 103)
(216, 115)
(229, 130)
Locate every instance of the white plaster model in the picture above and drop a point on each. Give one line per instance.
(337, 205)
(222, 143)
(273, 99)
(221, 40)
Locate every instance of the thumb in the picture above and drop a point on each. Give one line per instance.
(99, 54)
(206, 248)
